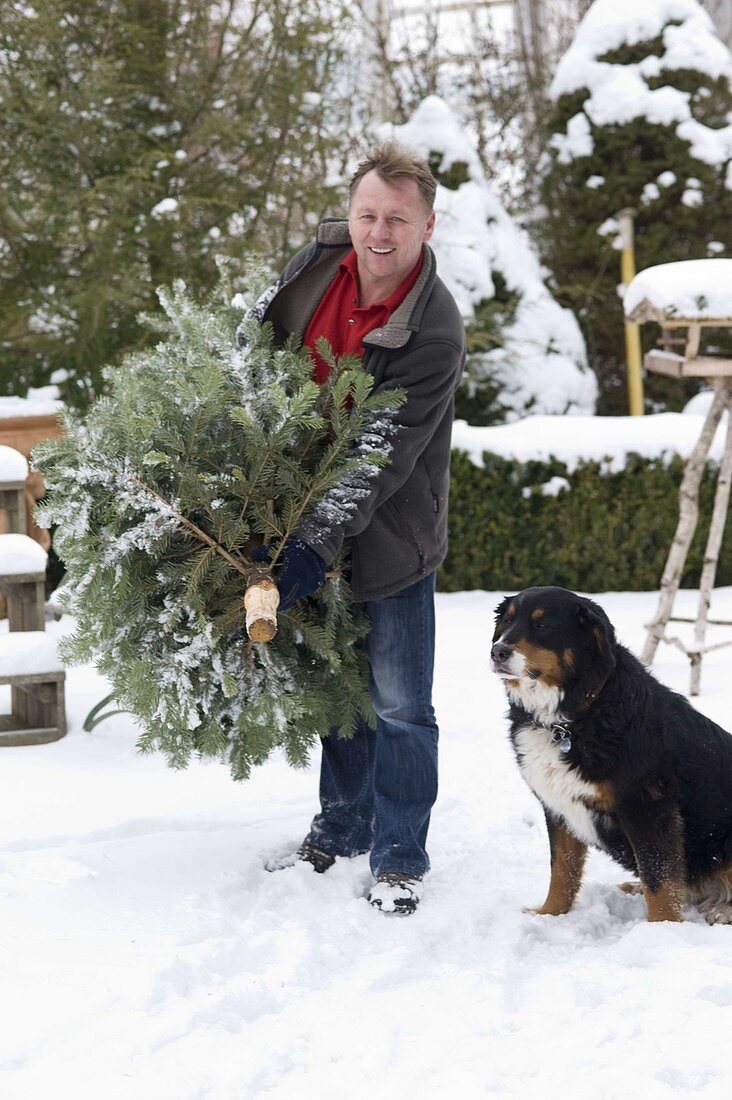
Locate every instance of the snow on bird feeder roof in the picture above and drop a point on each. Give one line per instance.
(13, 465)
(697, 291)
(20, 554)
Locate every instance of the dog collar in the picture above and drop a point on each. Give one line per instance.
(561, 735)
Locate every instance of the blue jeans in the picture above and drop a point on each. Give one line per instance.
(377, 789)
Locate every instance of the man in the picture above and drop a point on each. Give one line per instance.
(370, 287)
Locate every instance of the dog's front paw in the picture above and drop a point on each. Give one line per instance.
(632, 887)
(543, 911)
(718, 914)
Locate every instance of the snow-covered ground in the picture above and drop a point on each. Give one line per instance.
(147, 955)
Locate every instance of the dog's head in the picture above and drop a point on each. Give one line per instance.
(556, 638)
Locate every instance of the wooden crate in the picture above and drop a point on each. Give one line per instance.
(12, 503)
(22, 433)
(25, 596)
(23, 581)
(30, 665)
(38, 709)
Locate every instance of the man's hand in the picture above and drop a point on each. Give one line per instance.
(303, 571)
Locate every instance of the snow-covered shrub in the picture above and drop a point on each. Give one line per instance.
(526, 353)
(642, 119)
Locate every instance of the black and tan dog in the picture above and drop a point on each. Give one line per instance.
(617, 759)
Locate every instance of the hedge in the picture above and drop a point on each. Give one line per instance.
(606, 531)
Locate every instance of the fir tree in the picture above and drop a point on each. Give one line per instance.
(138, 140)
(642, 104)
(201, 451)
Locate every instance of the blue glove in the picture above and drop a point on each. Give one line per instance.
(303, 571)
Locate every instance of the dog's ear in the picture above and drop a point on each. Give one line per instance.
(591, 615)
(598, 659)
(500, 612)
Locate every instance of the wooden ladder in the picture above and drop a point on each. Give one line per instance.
(718, 373)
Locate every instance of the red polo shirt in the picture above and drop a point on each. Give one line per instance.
(341, 320)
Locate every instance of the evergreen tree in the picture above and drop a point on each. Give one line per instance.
(139, 139)
(642, 105)
(525, 353)
(200, 452)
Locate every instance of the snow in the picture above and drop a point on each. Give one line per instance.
(13, 465)
(650, 193)
(41, 402)
(21, 554)
(577, 142)
(693, 289)
(542, 361)
(147, 953)
(604, 439)
(617, 94)
(692, 197)
(165, 207)
(28, 653)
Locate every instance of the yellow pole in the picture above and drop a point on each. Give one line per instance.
(632, 331)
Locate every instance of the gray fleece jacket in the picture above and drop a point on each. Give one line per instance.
(399, 532)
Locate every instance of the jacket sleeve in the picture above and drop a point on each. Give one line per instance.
(429, 374)
(259, 309)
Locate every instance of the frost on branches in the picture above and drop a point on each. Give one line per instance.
(201, 451)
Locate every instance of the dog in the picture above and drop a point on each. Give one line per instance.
(618, 760)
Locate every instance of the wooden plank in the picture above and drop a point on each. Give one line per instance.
(707, 368)
(645, 311)
(693, 337)
(13, 735)
(15, 578)
(677, 366)
(38, 713)
(26, 604)
(12, 503)
(36, 678)
(705, 322)
(663, 362)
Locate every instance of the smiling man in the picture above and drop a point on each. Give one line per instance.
(370, 286)
(389, 222)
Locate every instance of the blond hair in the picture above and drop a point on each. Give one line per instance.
(392, 162)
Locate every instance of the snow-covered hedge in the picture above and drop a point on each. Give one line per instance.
(589, 503)
(607, 440)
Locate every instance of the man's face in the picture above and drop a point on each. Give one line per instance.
(389, 222)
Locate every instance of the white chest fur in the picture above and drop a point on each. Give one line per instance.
(550, 777)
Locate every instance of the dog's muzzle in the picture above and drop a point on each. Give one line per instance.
(505, 661)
